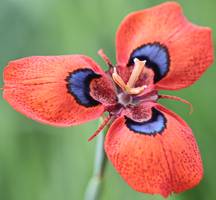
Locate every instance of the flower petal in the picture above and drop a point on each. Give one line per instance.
(53, 89)
(159, 156)
(177, 50)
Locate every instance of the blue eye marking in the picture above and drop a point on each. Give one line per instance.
(156, 56)
(153, 126)
(78, 83)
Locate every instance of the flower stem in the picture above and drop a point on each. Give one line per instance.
(94, 186)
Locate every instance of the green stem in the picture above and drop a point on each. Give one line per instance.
(95, 183)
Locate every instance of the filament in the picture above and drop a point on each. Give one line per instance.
(105, 58)
(101, 127)
(178, 99)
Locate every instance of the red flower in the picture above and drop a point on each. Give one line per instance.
(151, 147)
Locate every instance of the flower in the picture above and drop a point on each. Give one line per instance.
(151, 147)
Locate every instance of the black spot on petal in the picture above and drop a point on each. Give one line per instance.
(78, 83)
(155, 125)
(156, 56)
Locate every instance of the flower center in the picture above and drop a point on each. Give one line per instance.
(129, 87)
(124, 99)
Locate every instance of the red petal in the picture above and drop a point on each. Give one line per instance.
(37, 87)
(189, 46)
(159, 163)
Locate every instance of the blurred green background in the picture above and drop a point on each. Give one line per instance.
(39, 162)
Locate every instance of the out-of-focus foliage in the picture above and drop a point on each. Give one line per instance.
(38, 162)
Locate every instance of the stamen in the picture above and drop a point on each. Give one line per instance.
(101, 127)
(105, 58)
(136, 90)
(138, 68)
(119, 81)
(177, 99)
(129, 87)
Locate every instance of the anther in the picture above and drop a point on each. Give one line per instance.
(138, 69)
(119, 81)
(129, 87)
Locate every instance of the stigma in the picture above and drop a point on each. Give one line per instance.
(129, 87)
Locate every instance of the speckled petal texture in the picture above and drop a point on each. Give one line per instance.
(37, 87)
(190, 47)
(161, 164)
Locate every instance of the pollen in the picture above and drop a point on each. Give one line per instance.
(129, 88)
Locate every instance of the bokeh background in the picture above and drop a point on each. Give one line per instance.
(40, 162)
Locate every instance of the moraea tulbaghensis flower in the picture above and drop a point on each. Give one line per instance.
(151, 147)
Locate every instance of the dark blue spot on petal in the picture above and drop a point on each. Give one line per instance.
(153, 126)
(78, 83)
(156, 56)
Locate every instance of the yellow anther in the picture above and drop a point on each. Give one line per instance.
(136, 90)
(137, 70)
(118, 80)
